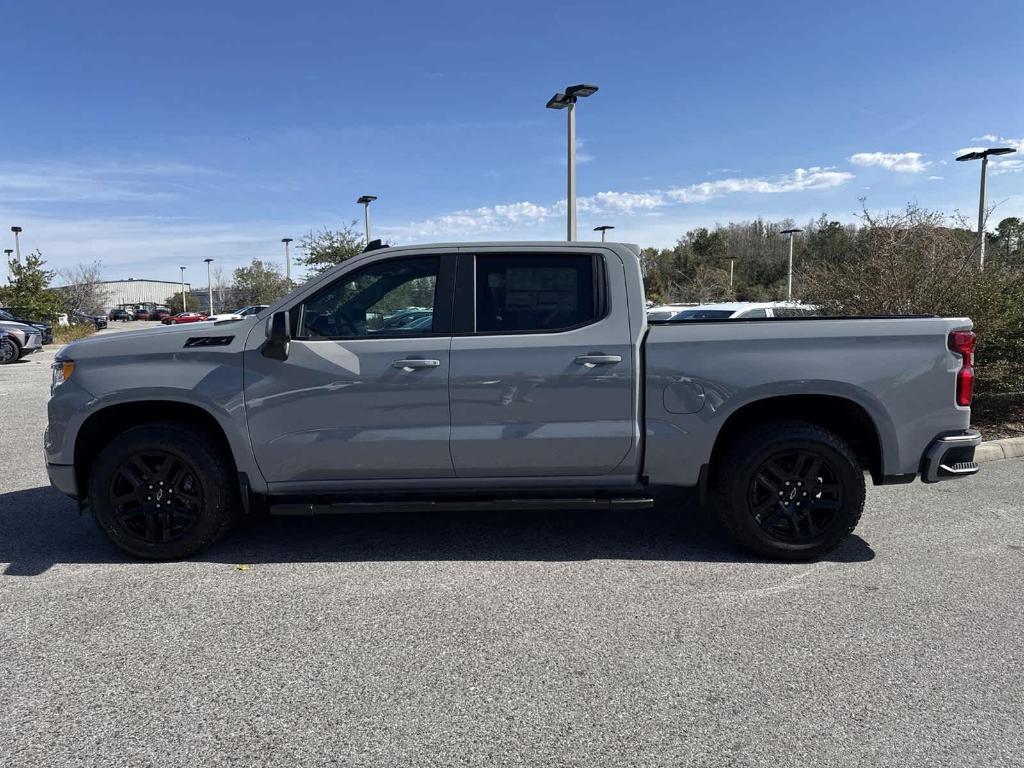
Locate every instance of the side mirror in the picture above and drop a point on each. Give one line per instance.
(278, 336)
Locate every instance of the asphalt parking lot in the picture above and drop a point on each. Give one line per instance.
(509, 639)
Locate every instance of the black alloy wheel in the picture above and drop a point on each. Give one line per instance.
(156, 497)
(795, 495)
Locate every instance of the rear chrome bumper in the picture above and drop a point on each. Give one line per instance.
(950, 457)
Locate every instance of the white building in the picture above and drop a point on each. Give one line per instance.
(132, 292)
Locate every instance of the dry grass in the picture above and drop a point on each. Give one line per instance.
(64, 334)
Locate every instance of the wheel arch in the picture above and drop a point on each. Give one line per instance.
(102, 426)
(843, 416)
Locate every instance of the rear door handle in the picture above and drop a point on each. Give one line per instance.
(592, 360)
(416, 363)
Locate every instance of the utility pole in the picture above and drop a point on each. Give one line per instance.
(209, 284)
(568, 101)
(17, 244)
(983, 155)
(7, 255)
(287, 260)
(184, 308)
(790, 232)
(365, 201)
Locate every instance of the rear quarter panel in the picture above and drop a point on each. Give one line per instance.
(898, 370)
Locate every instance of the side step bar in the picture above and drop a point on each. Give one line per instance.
(311, 508)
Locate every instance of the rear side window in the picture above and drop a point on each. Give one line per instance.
(535, 293)
(754, 313)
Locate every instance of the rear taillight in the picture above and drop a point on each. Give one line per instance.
(962, 343)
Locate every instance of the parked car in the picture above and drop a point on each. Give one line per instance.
(238, 314)
(22, 340)
(538, 384)
(160, 313)
(120, 313)
(8, 351)
(142, 314)
(99, 322)
(18, 315)
(184, 317)
(666, 311)
(737, 310)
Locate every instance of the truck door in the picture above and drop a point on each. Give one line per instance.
(363, 393)
(541, 367)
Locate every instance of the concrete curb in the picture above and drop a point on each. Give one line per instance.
(995, 450)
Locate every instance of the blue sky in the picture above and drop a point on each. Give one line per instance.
(148, 136)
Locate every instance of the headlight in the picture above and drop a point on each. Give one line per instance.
(62, 370)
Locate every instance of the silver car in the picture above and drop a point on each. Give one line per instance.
(20, 340)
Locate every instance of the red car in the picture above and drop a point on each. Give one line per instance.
(184, 317)
(142, 314)
(160, 314)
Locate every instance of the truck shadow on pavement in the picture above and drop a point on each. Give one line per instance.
(40, 528)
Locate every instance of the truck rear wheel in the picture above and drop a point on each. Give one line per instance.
(790, 491)
(163, 491)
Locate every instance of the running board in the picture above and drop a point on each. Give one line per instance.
(309, 509)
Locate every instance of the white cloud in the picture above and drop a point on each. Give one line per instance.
(55, 182)
(900, 162)
(799, 180)
(935, 178)
(528, 215)
(1002, 141)
(998, 167)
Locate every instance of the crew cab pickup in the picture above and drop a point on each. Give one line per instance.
(528, 376)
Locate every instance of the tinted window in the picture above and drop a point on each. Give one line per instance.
(383, 299)
(703, 314)
(754, 313)
(657, 316)
(528, 293)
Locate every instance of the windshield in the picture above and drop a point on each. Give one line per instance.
(704, 314)
(5, 315)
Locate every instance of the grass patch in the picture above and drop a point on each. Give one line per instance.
(65, 334)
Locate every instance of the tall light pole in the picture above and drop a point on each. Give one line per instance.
(983, 155)
(287, 259)
(732, 263)
(209, 284)
(790, 232)
(365, 201)
(184, 308)
(568, 100)
(7, 258)
(602, 229)
(17, 243)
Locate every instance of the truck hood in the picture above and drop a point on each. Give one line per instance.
(161, 339)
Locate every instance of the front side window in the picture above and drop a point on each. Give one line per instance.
(534, 293)
(389, 298)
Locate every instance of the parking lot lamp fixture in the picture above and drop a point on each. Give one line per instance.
(183, 307)
(365, 201)
(983, 155)
(17, 243)
(602, 229)
(209, 284)
(567, 101)
(287, 260)
(789, 289)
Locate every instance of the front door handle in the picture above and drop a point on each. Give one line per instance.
(415, 363)
(596, 359)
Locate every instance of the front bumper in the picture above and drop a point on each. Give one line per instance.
(62, 477)
(950, 457)
(33, 342)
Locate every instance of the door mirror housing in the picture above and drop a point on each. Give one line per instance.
(278, 336)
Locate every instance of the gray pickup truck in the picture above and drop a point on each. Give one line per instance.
(482, 376)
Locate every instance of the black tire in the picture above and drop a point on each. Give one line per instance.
(163, 491)
(10, 351)
(790, 491)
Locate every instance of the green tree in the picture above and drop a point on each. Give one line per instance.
(328, 248)
(29, 289)
(174, 303)
(260, 283)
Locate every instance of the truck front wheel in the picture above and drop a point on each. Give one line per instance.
(162, 491)
(790, 491)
